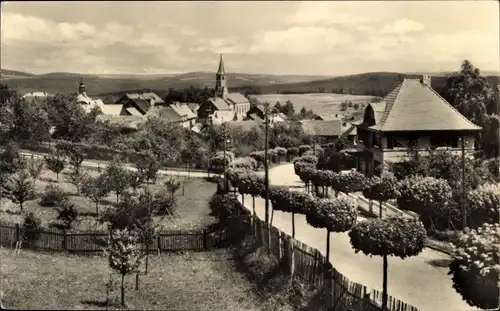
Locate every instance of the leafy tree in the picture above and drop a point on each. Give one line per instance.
(484, 205)
(34, 168)
(253, 185)
(335, 215)
(352, 181)
(135, 179)
(165, 201)
(95, 188)
(148, 166)
(392, 236)
(21, 188)
(475, 270)
(77, 177)
(382, 189)
(66, 214)
(30, 122)
(288, 109)
(76, 154)
(117, 178)
(472, 95)
(55, 163)
(124, 255)
(10, 159)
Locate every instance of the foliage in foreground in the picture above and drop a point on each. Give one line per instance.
(475, 268)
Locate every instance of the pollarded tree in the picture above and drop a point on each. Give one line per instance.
(382, 189)
(484, 205)
(393, 236)
(124, 255)
(335, 215)
(281, 153)
(255, 186)
(303, 149)
(246, 163)
(291, 153)
(259, 156)
(475, 267)
(235, 176)
(427, 196)
(352, 181)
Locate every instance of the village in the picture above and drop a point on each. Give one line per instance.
(376, 191)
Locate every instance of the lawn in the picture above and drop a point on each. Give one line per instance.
(191, 281)
(192, 209)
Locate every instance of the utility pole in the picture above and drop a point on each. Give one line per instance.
(266, 182)
(464, 193)
(224, 136)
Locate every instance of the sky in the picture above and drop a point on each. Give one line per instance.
(305, 38)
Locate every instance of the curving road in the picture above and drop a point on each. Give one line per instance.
(421, 281)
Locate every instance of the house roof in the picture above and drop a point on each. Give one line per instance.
(133, 111)
(414, 106)
(113, 109)
(219, 103)
(126, 121)
(197, 128)
(282, 115)
(36, 94)
(167, 114)
(193, 106)
(183, 110)
(322, 128)
(255, 117)
(142, 104)
(146, 96)
(236, 98)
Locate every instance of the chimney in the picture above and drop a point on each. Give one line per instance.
(426, 80)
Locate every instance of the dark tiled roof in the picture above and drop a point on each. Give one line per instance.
(255, 117)
(219, 103)
(142, 104)
(236, 98)
(322, 128)
(413, 106)
(167, 114)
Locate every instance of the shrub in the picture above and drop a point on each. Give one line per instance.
(281, 151)
(52, 196)
(475, 271)
(31, 228)
(246, 163)
(311, 159)
(303, 148)
(66, 214)
(336, 215)
(292, 151)
(484, 205)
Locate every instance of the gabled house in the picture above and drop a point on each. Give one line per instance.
(324, 132)
(224, 106)
(136, 104)
(258, 113)
(187, 115)
(411, 117)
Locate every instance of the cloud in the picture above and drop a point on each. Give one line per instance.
(402, 26)
(323, 13)
(84, 45)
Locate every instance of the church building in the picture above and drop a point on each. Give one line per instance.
(84, 100)
(224, 106)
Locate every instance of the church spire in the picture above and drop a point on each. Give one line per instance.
(81, 88)
(221, 66)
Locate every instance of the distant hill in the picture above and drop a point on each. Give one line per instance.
(372, 83)
(8, 74)
(61, 82)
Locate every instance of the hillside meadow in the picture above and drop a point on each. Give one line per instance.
(323, 104)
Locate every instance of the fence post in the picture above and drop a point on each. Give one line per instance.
(18, 233)
(158, 244)
(205, 237)
(65, 240)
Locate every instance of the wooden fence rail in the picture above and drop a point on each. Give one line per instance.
(311, 266)
(91, 242)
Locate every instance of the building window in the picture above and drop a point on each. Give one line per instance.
(444, 141)
(376, 140)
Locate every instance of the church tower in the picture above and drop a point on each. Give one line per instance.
(220, 81)
(81, 88)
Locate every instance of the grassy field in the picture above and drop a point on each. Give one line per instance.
(193, 196)
(191, 281)
(320, 103)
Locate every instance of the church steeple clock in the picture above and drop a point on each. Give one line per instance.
(220, 80)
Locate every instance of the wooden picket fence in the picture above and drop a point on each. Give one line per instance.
(92, 242)
(311, 266)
